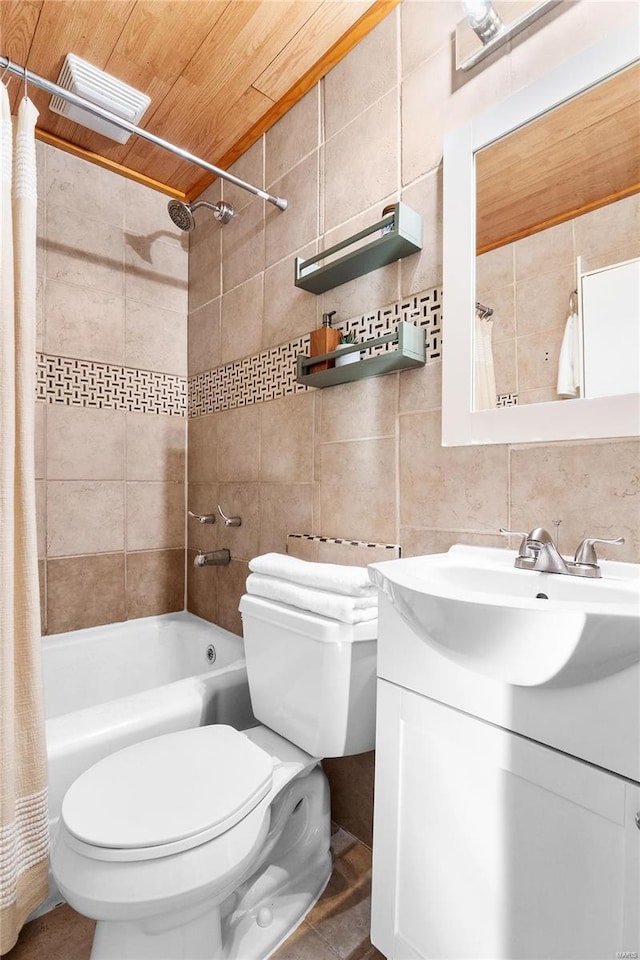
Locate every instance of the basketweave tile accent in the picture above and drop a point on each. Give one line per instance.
(87, 383)
(272, 373)
(507, 400)
(390, 551)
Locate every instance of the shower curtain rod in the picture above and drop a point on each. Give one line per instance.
(7, 66)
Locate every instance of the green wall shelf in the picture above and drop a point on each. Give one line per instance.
(410, 353)
(403, 237)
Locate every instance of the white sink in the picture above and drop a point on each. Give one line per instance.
(518, 626)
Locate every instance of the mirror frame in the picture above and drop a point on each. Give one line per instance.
(602, 417)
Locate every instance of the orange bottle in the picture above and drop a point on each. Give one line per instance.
(324, 340)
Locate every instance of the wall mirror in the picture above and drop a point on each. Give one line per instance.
(542, 258)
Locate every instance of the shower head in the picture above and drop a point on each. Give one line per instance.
(182, 213)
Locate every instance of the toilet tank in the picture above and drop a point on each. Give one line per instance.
(311, 679)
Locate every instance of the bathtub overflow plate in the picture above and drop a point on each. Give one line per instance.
(211, 653)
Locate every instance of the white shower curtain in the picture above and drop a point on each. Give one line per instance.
(23, 768)
(484, 383)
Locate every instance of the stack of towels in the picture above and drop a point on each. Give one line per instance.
(330, 589)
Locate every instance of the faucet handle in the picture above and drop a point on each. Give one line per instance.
(202, 518)
(586, 552)
(522, 549)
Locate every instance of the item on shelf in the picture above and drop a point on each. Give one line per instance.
(324, 340)
(410, 352)
(388, 227)
(347, 340)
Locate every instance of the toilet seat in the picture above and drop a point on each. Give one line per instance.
(166, 795)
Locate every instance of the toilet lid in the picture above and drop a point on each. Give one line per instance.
(172, 788)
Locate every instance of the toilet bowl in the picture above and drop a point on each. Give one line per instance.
(213, 843)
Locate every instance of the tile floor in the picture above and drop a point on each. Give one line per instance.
(336, 929)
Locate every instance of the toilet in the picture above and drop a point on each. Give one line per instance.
(213, 843)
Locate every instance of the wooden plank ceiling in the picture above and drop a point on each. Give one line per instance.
(219, 72)
(580, 156)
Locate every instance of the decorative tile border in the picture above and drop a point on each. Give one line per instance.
(87, 383)
(272, 374)
(309, 546)
(313, 538)
(507, 400)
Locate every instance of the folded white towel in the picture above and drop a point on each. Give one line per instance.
(569, 361)
(334, 605)
(349, 581)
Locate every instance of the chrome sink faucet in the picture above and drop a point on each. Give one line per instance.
(539, 552)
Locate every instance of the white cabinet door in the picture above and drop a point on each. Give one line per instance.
(487, 844)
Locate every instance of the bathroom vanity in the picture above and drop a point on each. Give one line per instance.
(507, 796)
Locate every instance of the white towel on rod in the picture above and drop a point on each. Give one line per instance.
(569, 361)
(484, 384)
(338, 578)
(327, 604)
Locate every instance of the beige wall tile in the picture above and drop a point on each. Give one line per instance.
(239, 443)
(83, 188)
(241, 320)
(449, 487)
(286, 232)
(592, 487)
(302, 549)
(289, 312)
(250, 168)
(84, 323)
(287, 455)
(506, 366)
(156, 446)
(423, 270)
(502, 302)
(366, 408)
(240, 500)
(350, 185)
(231, 586)
(84, 516)
(494, 271)
(204, 263)
(540, 48)
(610, 234)
(155, 339)
(84, 250)
(425, 28)
(358, 492)
(202, 498)
(538, 357)
(421, 389)
(40, 284)
(85, 592)
(156, 515)
(156, 273)
(202, 590)
(423, 129)
(202, 449)
(366, 75)
(145, 215)
(417, 542)
(352, 554)
(293, 136)
(155, 583)
(284, 508)
(243, 245)
(544, 252)
(84, 444)
(204, 338)
(543, 302)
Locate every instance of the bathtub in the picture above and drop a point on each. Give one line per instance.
(107, 687)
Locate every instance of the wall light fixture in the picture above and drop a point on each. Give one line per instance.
(489, 23)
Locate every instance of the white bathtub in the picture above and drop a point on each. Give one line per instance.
(107, 687)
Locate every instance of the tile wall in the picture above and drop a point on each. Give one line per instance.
(111, 410)
(528, 284)
(364, 460)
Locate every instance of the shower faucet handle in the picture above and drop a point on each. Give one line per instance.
(229, 521)
(203, 518)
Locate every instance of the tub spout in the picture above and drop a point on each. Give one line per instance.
(217, 558)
